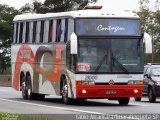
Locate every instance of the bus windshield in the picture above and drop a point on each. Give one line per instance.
(110, 55)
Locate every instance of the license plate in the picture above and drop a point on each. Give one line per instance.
(108, 92)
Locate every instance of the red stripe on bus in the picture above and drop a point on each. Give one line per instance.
(108, 91)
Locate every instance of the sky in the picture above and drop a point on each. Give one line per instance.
(117, 5)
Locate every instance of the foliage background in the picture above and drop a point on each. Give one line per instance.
(7, 14)
(150, 21)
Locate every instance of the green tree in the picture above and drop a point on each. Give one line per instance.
(150, 20)
(157, 26)
(56, 6)
(6, 16)
(27, 8)
(157, 35)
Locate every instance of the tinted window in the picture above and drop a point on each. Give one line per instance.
(105, 55)
(21, 33)
(50, 33)
(27, 32)
(34, 31)
(128, 53)
(66, 30)
(42, 31)
(93, 55)
(17, 26)
(58, 30)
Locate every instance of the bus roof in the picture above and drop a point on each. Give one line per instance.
(78, 14)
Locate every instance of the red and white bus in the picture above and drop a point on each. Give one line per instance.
(84, 54)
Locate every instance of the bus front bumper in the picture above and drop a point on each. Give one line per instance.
(108, 91)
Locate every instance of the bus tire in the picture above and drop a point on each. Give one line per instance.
(64, 92)
(123, 101)
(30, 95)
(40, 96)
(151, 96)
(24, 88)
(137, 98)
(83, 99)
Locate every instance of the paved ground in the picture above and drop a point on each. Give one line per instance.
(11, 101)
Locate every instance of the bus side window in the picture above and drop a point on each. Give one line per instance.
(41, 31)
(16, 38)
(34, 31)
(66, 31)
(21, 32)
(50, 32)
(58, 30)
(27, 33)
(14, 33)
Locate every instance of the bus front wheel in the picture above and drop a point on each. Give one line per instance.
(137, 98)
(64, 92)
(123, 101)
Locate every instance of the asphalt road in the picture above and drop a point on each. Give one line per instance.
(11, 101)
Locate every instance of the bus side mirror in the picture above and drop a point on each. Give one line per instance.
(73, 43)
(148, 43)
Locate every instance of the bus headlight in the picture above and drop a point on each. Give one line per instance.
(135, 82)
(135, 91)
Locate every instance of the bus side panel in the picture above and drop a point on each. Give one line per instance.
(16, 61)
(44, 64)
(44, 70)
(48, 69)
(22, 55)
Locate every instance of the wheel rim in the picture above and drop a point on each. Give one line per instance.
(23, 89)
(29, 91)
(65, 92)
(29, 88)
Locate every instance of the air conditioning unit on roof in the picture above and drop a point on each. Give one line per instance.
(93, 6)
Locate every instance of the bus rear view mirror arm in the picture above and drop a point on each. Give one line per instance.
(147, 39)
(73, 43)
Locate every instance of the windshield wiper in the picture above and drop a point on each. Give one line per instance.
(119, 64)
(101, 62)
